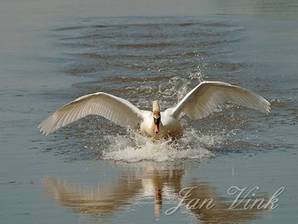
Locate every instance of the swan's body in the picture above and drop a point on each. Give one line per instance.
(201, 101)
(169, 126)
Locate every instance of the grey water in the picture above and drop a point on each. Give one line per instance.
(93, 171)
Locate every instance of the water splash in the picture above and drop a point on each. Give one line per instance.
(138, 148)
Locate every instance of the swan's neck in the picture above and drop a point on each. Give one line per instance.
(155, 108)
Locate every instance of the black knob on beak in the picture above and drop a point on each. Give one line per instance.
(156, 120)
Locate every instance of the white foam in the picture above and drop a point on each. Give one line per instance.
(136, 148)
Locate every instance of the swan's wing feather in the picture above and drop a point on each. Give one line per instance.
(113, 108)
(208, 96)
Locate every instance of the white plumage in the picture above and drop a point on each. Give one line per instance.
(206, 97)
(201, 101)
(113, 108)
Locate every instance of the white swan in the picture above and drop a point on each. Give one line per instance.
(201, 101)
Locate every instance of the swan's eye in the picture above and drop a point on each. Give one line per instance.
(156, 120)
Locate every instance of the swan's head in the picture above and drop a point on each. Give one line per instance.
(156, 116)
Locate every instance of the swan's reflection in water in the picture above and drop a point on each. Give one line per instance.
(161, 184)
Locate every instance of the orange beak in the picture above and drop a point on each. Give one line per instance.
(156, 128)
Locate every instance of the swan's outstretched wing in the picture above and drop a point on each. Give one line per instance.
(118, 110)
(206, 97)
